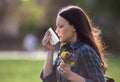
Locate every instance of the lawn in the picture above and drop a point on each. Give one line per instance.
(29, 70)
(20, 70)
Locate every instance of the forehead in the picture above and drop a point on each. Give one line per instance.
(60, 20)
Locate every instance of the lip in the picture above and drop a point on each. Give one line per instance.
(59, 36)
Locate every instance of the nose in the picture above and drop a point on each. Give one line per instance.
(57, 30)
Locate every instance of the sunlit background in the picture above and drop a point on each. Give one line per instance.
(24, 22)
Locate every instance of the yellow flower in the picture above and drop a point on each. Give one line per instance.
(72, 63)
(63, 54)
(67, 58)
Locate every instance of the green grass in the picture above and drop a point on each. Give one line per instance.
(29, 70)
(20, 70)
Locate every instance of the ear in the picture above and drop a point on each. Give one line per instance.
(74, 29)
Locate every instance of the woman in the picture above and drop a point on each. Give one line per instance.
(77, 36)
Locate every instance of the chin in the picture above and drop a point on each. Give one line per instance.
(62, 41)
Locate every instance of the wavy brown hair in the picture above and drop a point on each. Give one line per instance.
(85, 29)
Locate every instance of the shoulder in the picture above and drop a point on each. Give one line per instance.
(86, 47)
(87, 51)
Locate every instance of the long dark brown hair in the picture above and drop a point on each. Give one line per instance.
(85, 29)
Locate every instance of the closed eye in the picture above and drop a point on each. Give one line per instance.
(61, 26)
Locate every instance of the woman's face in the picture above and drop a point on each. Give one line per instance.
(65, 31)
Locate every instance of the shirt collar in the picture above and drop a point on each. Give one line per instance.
(75, 44)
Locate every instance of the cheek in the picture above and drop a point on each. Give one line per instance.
(66, 33)
(62, 34)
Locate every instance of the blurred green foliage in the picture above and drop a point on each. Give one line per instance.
(32, 11)
(104, 13)
(37, 16)
(31, 16)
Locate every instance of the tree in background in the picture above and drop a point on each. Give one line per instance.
(18, 17)
(2, 9)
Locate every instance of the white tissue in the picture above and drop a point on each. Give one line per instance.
(54, 39)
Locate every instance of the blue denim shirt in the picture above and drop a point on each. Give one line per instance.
(87, 64)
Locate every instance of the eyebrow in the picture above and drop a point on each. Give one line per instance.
(57, 24)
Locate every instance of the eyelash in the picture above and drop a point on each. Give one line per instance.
(60, 26)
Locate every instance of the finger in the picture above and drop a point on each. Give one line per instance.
(47, 31)
(65, 66)
(46, 42)
(46, 38)
(61, 70)
(62, 64)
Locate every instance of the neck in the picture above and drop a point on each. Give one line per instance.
(73, 38)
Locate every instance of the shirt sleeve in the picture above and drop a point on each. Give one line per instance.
(91, 65)
(52, 77)
(49, 78)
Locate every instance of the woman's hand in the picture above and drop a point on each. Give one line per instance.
(64, 69)
(46, 41)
